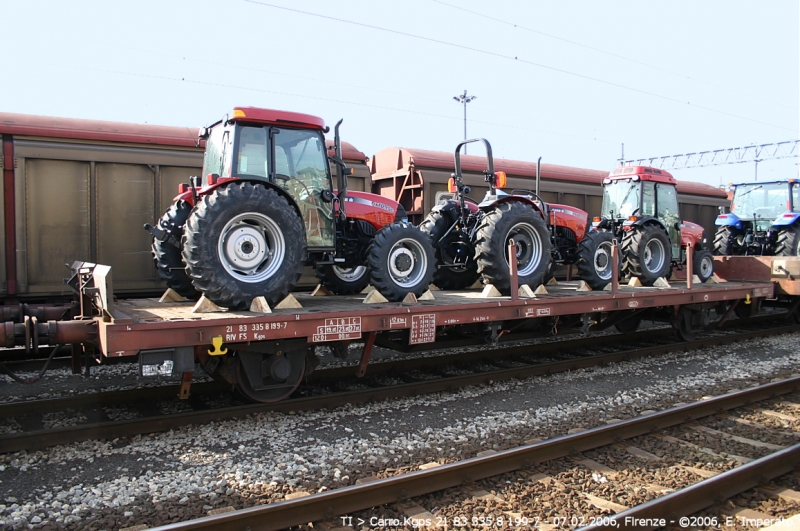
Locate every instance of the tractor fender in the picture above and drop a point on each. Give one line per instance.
(645, 220)
(691, 233)
(448, 209)
(491, 204)
(729, 220)
(575, 219)
(266, 184)
(786, 219)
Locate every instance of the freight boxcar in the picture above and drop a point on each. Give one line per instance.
(414, 178)
(83, 189)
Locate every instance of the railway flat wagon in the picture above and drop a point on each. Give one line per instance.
(267, 355)
(84, 188)
(416, 177)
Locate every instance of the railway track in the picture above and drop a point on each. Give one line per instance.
(128, 413)
(479, 492)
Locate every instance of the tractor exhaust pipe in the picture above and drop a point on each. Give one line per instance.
(538, 172)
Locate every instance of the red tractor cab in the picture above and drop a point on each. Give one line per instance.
(640, 210)
(267, 206)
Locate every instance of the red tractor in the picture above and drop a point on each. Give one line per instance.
(267, 206)
(640, 210)
(471, 239)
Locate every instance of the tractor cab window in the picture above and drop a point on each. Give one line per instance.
(620, 199)
(667, 198)
(761, 202)
(648, 199)
(253, 152)
(796, 197)
(667, 213)
(301, 168)
(217, 157)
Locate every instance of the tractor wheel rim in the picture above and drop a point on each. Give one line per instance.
(407, 262)
(602, 261)
(706, 266)
(529, 247)
(654, 255)
(349, 274)
(251, 247)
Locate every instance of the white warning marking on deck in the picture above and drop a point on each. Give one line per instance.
(338, 329)
(633, 304)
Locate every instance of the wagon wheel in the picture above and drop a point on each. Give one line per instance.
(269, 377)
(683, 325)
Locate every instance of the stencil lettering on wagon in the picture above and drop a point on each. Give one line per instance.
(423, 329)
(338, 329)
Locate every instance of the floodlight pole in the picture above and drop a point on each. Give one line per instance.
(464, 99)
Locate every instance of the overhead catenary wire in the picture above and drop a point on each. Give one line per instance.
(518, 60)
(611, 54)
(318, 98)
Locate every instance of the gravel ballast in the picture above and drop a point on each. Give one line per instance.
(183, 474)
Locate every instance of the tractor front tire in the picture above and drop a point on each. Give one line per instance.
(788, 241)
(343, 280)
(401, 261)
(167, 257)
(725, 241)
(520, 222)
(243, 241)
(452, 249)
(594, 258)
(703, 264)
(648, 253)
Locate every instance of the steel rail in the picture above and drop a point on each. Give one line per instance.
(39, 439)
(701, 495)
(282, 515)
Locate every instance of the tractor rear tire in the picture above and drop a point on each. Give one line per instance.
(401, 261)
(526, 226)
(343, 280)
(725, 241)
(243, 241)
(167, 257)
(703, 264)
(788, 241)
(454, 248)
(594, 258)
(648, 253)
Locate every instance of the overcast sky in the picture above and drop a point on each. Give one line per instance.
(567, 80)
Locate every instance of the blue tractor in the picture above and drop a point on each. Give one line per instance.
(764, 220)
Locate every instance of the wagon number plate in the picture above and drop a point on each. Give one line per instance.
(338, 329)
(423, 329)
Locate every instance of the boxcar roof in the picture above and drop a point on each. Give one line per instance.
(389, 160)
(103, 131)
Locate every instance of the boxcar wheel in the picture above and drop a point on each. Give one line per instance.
(169, 262)
(400, 260)
(520, 222)
(242, 241)
(269, 377)
(451, 249)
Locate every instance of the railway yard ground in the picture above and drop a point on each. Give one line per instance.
(160, 478)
